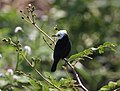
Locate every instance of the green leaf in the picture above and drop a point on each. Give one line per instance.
(106, 45)
(112, 84)
(118, 82)
(48, 75)
(101, 49)
(23, 79)
(109, 44)
(51, 78)
(85, 53)
(36, 85)
(66, 82)
(45, 87)
(105, 88)
(3, 83)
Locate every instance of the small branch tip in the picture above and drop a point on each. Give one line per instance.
(20, 11)
(22, 17)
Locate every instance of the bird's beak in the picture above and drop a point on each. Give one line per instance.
(54, 35)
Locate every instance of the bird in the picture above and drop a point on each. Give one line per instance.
(61, 49)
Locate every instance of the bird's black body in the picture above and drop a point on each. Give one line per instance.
(61, 50)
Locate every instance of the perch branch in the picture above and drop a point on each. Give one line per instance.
(76, 75)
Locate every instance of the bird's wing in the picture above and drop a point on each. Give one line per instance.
(58, 50)
(62, 49)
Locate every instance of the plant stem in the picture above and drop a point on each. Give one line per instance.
(16, 68)
(40, 73)
(43, 32)
(17, 62)
(76, 75)
(47, 43)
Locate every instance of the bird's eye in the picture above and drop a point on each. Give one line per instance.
(58, 35)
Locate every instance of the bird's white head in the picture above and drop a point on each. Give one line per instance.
(60, 34)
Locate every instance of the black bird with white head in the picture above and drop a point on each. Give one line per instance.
(62, 48)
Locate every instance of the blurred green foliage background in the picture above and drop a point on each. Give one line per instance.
(89, 23)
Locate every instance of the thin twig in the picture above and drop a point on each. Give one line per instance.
(76, 75)
(16, 68)
(29, 20)
(18, 59)
(40, 73)
(44, 33)
(47, 43)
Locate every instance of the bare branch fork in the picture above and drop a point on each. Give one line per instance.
(76, 75)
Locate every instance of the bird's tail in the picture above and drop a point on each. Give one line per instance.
(54, 66)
